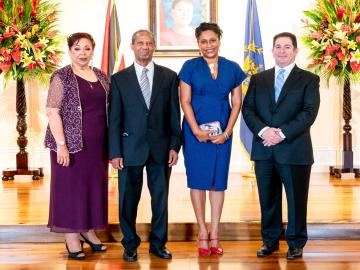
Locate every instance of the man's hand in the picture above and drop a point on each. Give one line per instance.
(173, 158)
(271, 137)
(117, 163)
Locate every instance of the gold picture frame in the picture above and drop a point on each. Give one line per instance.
(173, 23)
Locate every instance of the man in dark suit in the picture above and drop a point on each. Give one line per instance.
(144, 131)
(280, 106)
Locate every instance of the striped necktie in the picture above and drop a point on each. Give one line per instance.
(279, 82)
(145, 86)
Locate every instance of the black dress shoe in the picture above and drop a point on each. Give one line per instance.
(162, 253)
(266, 250)
(130, 255)
(294, 253)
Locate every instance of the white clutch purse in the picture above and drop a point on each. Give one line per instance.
(214, 127)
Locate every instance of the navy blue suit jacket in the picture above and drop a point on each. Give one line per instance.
(294, 113)
(134, 130)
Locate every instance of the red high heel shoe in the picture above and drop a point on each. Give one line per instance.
(204, 251)
(216, 250)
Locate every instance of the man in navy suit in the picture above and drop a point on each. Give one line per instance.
(144, 131)
(279, 108)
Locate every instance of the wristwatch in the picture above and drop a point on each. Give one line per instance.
(61, 143)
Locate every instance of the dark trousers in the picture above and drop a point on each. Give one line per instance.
(270, 177)
(130, 186)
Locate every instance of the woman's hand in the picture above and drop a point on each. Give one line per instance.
(202, 135)
(221, 138)
(218, 139)
(63, 157)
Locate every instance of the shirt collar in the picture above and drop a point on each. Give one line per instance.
(140, 68)
(287, 68)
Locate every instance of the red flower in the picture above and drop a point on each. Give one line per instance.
(313, 63)
(330, 49)
(332, 2)
(340, 55)
(16, 55)
(357, 39)
(1, 38)
(340, 13)
(5, 66)
(31, 66)
(8, 34)
(345, 28)
(34, 5)
(17, 46)
(40, 63)
(54, 58)
(355, 66)
(20, 10)
(5, 54)
(51, 33)
(357, 18)
(332, 64)
(51, 17)
(38, 45)
(1, 5)
(316, 35)
(15, 29)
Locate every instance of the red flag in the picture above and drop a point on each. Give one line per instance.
(110, 54)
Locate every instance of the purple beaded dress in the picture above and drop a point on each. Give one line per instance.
(78, 195)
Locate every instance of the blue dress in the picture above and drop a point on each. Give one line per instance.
(207, 164)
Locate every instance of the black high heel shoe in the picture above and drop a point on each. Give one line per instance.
(94, 247)
(75, 255)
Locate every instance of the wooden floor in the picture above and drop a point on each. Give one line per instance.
(331, 200)
(239, 255)
(334, 208)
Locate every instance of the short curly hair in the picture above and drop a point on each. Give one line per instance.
(205, 26)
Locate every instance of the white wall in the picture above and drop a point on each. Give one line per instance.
(275, 16)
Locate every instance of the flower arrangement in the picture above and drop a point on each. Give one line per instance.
(333, 36)
(30, 46)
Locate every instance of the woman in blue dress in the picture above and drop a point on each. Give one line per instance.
(205, 85)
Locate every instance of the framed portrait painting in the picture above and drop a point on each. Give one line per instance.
(173, 24)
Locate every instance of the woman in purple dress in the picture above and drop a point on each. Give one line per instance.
(76, 135)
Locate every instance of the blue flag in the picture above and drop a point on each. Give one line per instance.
(253, 62)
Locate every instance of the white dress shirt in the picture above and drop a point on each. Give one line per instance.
(149, 74)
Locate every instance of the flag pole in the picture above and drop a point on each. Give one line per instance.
(253, 63)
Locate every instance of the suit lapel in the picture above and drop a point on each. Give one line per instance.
(134, 84)
(156, 84)
(269, 81)
(289, 83)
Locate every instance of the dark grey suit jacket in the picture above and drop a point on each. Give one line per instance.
(294, 113)
(134, 130)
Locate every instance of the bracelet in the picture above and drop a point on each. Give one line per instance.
(61, 143)
(226, 135)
